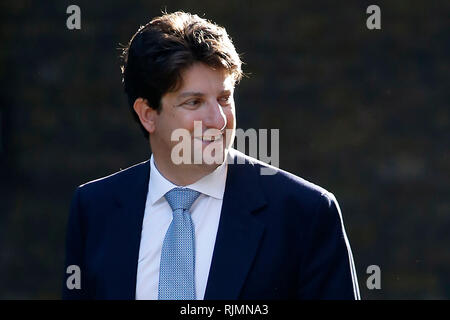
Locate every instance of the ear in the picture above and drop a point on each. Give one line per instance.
(146, 114)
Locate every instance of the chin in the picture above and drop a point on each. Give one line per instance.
(208, 151)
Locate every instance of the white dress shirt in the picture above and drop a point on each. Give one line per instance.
(205, 213)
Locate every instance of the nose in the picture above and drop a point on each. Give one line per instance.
(216, 118)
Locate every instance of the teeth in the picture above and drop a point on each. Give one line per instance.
(214, 138)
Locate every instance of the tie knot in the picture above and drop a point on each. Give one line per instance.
(181, 198)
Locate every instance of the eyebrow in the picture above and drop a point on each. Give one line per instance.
(190, 94)
(198, 94)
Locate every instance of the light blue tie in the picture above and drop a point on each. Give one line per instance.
(177, 267)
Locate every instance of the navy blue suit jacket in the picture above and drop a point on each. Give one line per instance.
(279, 237)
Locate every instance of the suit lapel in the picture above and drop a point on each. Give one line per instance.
(126, 231)
(239, 232)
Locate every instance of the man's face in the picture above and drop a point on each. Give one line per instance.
(205, 95)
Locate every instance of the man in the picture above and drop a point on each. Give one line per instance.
(170, 229)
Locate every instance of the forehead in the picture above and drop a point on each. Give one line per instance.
(203, 78)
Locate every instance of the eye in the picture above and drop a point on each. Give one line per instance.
(191, 103)
(225, 100)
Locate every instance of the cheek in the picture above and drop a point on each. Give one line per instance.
(231, 117)
(183, 119)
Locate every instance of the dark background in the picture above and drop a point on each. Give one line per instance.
(362, 113)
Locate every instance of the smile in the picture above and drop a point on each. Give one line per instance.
(210, 138)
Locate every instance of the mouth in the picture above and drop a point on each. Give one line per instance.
(209, 139)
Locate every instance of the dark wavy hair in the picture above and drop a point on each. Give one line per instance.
(158, 52)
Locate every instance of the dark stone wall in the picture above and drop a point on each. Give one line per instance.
(362, 113)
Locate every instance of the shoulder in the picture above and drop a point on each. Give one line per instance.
(280, 183)
(289, 199)
(115, 181)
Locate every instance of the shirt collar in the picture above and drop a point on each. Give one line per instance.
(212, 185)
